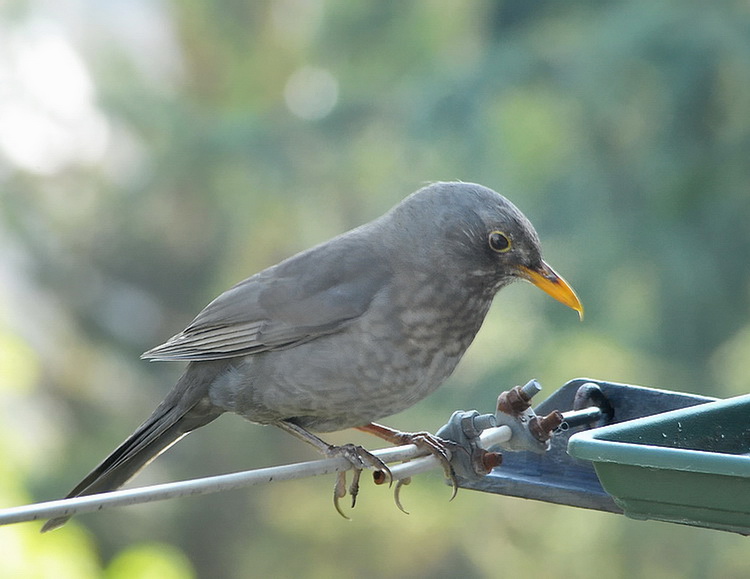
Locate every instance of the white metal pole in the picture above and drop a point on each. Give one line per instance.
(200, 486)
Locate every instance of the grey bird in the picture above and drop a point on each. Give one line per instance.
(343, 334)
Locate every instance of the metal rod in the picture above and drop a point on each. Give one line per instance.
(199, 486)
(585, 416)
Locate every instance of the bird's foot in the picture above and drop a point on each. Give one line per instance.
(360, 458)
(438, 447)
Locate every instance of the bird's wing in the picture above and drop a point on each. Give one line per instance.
(311, 294)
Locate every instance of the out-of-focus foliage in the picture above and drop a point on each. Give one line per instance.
(152, 153)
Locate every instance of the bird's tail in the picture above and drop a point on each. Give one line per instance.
(184, 409)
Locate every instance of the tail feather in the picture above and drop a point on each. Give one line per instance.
(184, 410)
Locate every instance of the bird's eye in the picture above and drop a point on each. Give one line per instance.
(499, 242)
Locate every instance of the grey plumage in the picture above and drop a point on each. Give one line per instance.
(350, 331)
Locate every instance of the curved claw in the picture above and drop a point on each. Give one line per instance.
(438, 447)
(397, 493)
(439, 451)
(339, 491)
(354, 487)
(450, 474)
(360, 458)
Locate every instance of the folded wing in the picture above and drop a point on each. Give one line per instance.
(314, 293)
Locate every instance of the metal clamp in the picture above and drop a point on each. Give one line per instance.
(530, 431)
(464, 428)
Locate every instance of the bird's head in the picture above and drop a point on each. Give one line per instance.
(489, 237)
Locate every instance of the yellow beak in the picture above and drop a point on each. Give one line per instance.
(547, 280)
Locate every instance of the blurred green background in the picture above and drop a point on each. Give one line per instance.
(153, 153)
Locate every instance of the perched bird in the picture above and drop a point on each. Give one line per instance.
(345, 333)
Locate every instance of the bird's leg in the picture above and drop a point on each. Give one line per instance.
(360, 458)
(436, 446)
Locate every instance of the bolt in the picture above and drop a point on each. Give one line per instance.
(543, 427)
(468, 424)
(484, 421)
(513, 401)
(491, 459)
(531, 388)
(550, 422)
(473, 423)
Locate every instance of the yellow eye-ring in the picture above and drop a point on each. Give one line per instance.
(499, 242)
